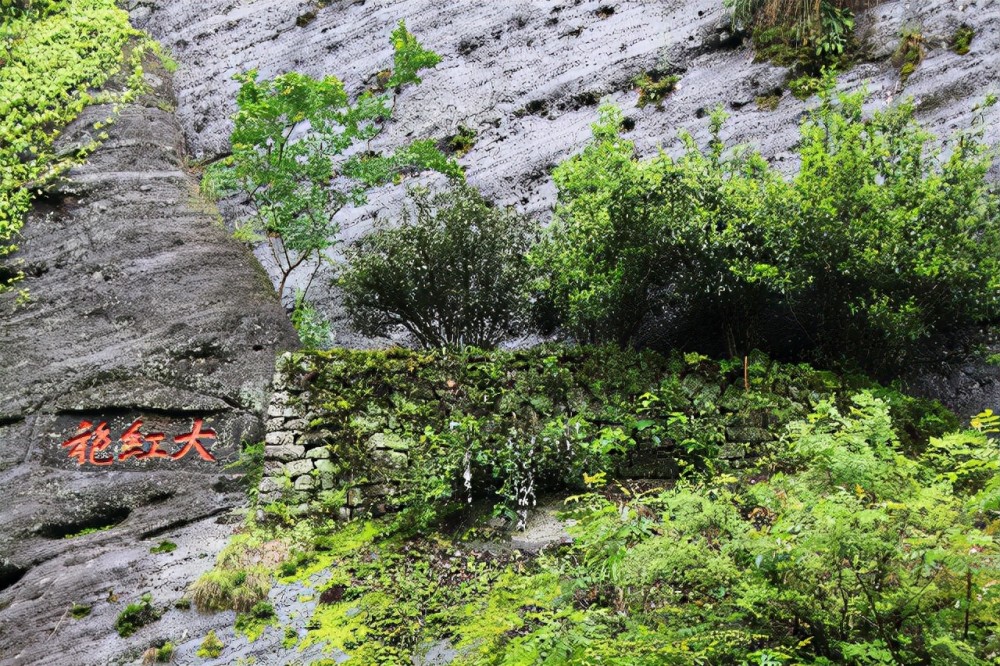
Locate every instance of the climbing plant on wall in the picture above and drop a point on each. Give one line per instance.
(53, 57)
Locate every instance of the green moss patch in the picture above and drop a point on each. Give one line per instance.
(654, 87)
(961, 41)
(137, 615)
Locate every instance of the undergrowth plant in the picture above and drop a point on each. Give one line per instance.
(853, 538)
(503, 428)
(807, 36)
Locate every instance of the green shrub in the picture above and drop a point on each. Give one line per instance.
(241, 578)
(839, 544)
(463, 141)
(253, 622)
(880, 242)
(453, 273)
(877, 247)
(840, 550)
(805, 86)
(251, 465)
(632, 238)
(136, 615)
(909, 53)
(654, 87)
(289, 179)
(225, 589)
(312, 327)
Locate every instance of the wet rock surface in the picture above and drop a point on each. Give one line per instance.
(527, 77)
(142, 309)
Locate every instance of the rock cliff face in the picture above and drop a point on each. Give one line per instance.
(528, 76)
(142, 308)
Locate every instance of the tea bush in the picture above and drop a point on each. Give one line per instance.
(879, 246)
(452, 273)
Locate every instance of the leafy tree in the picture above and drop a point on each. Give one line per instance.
(288, 134)
(633, 239)
(453, 273)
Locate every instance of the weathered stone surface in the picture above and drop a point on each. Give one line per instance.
(326, 466)
(296, 425)
(527, 77)
(388, 459)
(304, 483)
(143, 307)
(749, 435)
(298, 467)
(279, 438)
(320, 452)
(388, 441)
(284, 453)
(275, 424)
(355, 497)
(272, 485)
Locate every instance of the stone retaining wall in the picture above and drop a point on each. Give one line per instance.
(298, 465)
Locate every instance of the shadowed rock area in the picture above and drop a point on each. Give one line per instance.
(142, 308)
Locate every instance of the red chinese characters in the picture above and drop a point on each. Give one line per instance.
(134, 444)
(191, 440)
(88, 441)
(90, 444)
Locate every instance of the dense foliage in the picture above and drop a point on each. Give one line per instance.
(53, 57)
(289, 133)
(862, 534)
(804, 35)
(453, 272)
(879, 244)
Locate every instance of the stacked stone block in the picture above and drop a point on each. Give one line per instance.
(299, 460)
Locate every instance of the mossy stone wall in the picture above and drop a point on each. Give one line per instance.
(353, 432)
